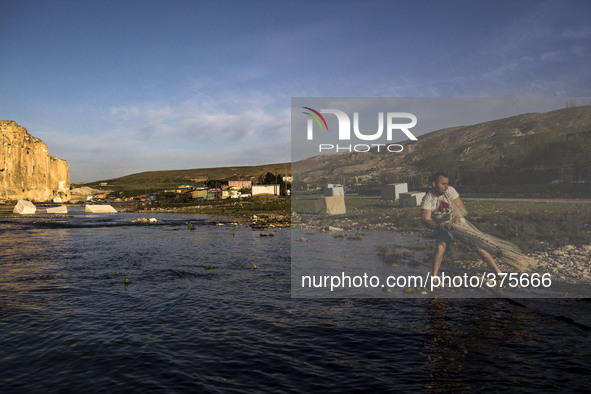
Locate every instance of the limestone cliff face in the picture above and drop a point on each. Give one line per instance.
(27, 171)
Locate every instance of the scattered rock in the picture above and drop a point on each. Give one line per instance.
(145, 220)
(569, 264)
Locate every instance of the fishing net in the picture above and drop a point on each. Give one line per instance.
(505, 250)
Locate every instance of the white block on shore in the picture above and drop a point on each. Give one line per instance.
(99, 209)
(60, 209)
(393, 190)
(411, 199)
(333, 190)
(24, 207)
(334, 205)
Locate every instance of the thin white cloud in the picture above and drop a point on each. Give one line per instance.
(197, 133)
(577, 33)
(552, 56)
(580, 50)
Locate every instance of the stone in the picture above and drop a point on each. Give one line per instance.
(393, 190)
(24, 207)
(27, 170)
(145, 220)
(334, 205)
(60, 209)
(411, 199)
(99, 209)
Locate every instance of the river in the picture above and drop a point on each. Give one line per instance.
(97, 303)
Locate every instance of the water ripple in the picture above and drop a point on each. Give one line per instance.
(69, 322)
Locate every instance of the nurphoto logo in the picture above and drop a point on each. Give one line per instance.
(391, 123)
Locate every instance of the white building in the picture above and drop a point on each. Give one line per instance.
(334, 190)
(265, 189)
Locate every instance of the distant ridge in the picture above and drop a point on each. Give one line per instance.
(170, 179)
(528, 149)
(533, 149)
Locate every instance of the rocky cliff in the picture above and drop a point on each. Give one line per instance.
(27, 170)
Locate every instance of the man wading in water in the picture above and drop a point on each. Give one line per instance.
(436, 212)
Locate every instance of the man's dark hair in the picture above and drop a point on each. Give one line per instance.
(436, 176)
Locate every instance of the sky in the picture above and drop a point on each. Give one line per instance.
(119, 87)
(383, 122)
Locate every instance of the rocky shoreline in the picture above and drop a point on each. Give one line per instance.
(254, 220)
(569, 264)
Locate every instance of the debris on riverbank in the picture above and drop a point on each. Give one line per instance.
(256, 213)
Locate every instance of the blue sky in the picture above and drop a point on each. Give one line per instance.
(117, 87)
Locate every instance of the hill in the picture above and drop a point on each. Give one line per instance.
(528, 152)
(150, 181)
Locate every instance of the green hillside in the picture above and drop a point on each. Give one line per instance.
(150, 181)
(530, 152)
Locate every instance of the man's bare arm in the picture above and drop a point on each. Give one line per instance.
(426, 214)
(427, 221)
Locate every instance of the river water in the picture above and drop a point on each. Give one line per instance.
(198, 316)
